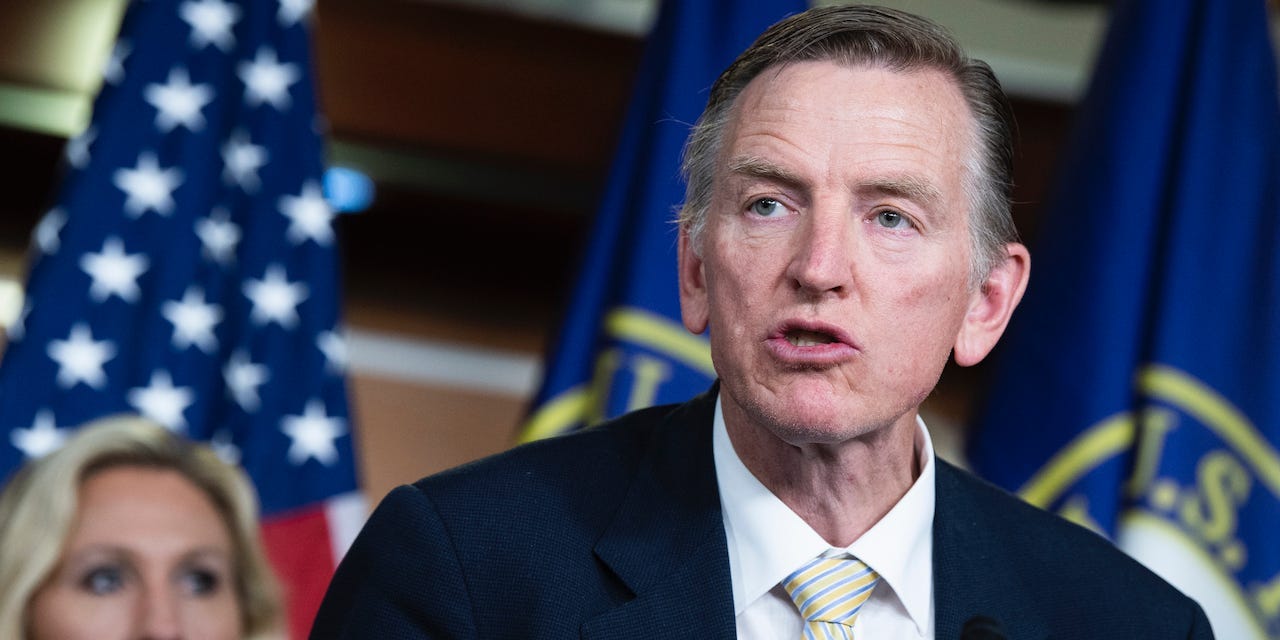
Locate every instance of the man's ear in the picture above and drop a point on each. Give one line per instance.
(991, 306)
(693, 285)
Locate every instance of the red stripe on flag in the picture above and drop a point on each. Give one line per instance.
(299, 550)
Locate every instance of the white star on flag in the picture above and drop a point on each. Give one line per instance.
(309, 216)
(211, 22)
(275, 299)
(291, 11)
(241, 160)
(163, 280)
(113, 271)
(77, 150)
(193, 320)
(266, 79)
(312, 434)
(163, 402)
(148, 186)
(48, 231)
(219, 235)
(334, 347)
(178, 102)
(41, 438)
(113, 72)
(243, 378)
(80, 358)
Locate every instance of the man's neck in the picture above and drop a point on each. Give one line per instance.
(841, 490)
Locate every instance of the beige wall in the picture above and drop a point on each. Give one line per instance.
(406, 430)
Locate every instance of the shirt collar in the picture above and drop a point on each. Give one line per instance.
(767, 540)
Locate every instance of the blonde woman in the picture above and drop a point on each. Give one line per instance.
(130, 531)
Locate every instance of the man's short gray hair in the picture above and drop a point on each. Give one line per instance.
(857, 35)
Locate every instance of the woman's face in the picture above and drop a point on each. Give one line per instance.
(148, 557)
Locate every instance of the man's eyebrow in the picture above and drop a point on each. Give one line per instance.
(903, 186)
(906, 186)
(754, 167)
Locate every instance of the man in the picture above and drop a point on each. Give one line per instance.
(846, 230)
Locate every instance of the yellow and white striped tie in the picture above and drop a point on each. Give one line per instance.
(829, 592)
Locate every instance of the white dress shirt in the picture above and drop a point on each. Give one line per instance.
(768, 541)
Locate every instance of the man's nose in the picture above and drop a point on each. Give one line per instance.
(822, 259)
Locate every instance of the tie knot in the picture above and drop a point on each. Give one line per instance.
(831, 589)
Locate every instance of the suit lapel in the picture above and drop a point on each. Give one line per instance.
(667, 542)
(972, 576)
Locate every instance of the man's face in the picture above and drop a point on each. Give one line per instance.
(833, 271)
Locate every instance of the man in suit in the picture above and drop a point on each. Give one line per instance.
(846, 230)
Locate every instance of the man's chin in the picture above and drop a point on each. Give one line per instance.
(803, 407)
(770, 425)
(818, 430)
(811, 420)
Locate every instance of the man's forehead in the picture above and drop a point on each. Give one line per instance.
(835, 64)
(835, 90)
(924, 102)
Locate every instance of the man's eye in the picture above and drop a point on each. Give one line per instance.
(200, 582)
(767, 208)
(890, 219)
(103, 580)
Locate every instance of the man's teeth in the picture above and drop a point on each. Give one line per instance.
(808, 338)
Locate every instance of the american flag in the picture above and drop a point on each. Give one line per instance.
(188, 273)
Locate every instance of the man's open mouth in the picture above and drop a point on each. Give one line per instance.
(802, 338)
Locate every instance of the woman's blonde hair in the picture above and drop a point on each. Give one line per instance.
(38, 509)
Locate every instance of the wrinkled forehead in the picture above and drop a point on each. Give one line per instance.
(836, 105)
(944, 95)
(863, 106)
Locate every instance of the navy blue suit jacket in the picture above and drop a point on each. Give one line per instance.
(616, 532)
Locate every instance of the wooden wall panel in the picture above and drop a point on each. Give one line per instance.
(473, 82)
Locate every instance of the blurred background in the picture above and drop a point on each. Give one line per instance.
(487, 128)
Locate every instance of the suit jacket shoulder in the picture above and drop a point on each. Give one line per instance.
(1041, 576)
(613, 532)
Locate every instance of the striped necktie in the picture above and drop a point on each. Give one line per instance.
(829, 592)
